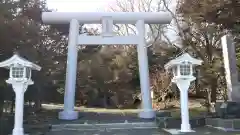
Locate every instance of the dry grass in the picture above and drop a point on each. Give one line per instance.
(98, 110)
(193, 112)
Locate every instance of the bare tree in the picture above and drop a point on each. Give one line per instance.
(202, 39)
(155, 33)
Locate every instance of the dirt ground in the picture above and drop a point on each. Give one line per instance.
(40, 122)
(193, 103)
(198, 131)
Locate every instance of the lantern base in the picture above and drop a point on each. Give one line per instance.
(147, 114)
(68, 115)
(18, 131)
(186, 128)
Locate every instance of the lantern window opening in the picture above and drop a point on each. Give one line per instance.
(17, 72)
(185, 69)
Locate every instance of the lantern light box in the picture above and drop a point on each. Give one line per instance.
(19, 68)
(182, 66)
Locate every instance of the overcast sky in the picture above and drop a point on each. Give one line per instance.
(78, 5)
(89, 6)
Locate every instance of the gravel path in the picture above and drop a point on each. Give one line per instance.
(111, 132)
(199, 131)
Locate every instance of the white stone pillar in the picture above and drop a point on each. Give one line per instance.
(19, 89)
(147, 110)
(69, 98)
(183, 86)
(231, 72)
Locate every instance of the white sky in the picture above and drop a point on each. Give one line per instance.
(85, 6)
(78, 5)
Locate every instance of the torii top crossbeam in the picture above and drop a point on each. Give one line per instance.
(117, 17)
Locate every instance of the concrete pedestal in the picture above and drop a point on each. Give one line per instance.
(186, 128)
(18, 131)
(19, 89)
(183, 86)
(228, 109)
(147, 114)
(68, 115)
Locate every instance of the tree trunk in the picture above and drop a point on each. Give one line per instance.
(213, 90)
(105, 100)
(38, 103)
(1, 102)
(208, 100)
(211, 95)
(198, 90)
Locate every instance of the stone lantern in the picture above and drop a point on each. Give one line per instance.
(182, 69)
(19, 77)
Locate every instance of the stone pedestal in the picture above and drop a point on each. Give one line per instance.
(183, 86)
(19, 89)
(231, 71)
(224, 124)
(68, 115)
(228, 109)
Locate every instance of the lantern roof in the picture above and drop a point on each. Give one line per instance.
(181, 59)
(16, 59)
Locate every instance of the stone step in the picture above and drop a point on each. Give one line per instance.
(199, 131)
(109, 132)
(112, 126)
(171, 122)
(224, 124)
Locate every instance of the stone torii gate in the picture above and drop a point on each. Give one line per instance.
(107, 19)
